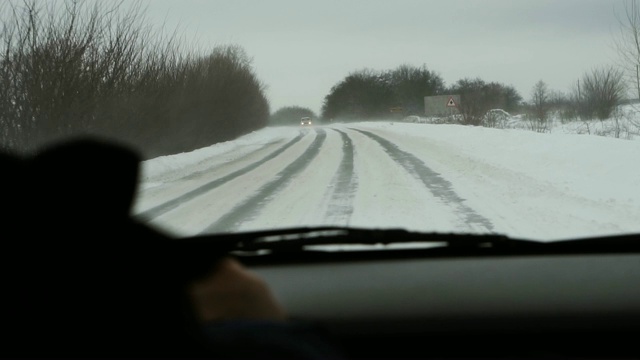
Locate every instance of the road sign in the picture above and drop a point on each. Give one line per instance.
(451, 103)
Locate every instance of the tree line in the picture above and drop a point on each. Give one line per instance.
(101, 70)
(369, 94)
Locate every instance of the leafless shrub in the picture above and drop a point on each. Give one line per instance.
(68, 68)
(496, 118)
(538, 119)
(602, 90)
(627, 43)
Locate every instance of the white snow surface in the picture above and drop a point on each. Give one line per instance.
(539, 186)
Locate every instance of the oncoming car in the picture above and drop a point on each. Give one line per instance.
(305, 121)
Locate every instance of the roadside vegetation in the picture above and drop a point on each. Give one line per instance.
(596, 104)
(604, 101)
(369, 94)
(72, 68)
(97, 68)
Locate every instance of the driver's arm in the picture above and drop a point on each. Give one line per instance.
(241, 318)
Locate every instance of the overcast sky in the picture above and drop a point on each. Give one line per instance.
(301, 48)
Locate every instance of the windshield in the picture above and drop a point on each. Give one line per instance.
(485, 117)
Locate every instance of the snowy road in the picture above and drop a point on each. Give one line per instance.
(382, 175)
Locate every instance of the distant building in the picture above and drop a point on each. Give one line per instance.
(441, 105)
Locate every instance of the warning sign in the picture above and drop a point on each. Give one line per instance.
(441, 105)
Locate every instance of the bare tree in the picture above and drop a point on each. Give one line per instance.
(539, 117)
(627, 42)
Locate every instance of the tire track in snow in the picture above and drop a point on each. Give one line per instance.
(165, 207)
(201, 173)
(343, 186)
(438, 186)
(254, 204)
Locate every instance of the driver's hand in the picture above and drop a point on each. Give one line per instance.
(232, 292)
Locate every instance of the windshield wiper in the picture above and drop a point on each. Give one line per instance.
(309, 238)
(308, 244)
(313, 238)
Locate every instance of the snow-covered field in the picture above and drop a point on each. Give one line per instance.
(424, 177)
(623, 124)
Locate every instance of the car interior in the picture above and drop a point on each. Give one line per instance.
(83, 277)
(375, 293)
(469, 296)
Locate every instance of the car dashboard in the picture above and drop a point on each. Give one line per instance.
(568, 305)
